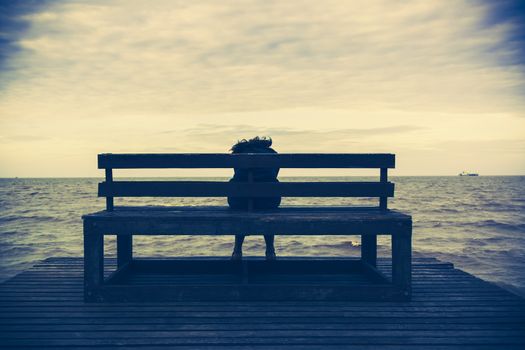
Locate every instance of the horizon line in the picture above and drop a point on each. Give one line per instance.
(282, 177)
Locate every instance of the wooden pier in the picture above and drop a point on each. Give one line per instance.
(450, 309)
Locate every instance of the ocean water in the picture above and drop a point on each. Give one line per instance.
(477, 223)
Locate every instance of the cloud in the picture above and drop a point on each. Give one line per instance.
(222, 56)
(13, 26)
(378, 75)
(23, 138)
(509, 13)
(215, 136)
(295, 138)
(210, 129)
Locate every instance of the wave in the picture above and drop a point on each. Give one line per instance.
(28, 218)
(500, 225)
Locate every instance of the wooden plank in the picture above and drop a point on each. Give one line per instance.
(445, 290)
(93, 259)
(109, 199)
(284, 210)
(369, 249)
(124, 249)
(240, 189)
(266, 280)
(383, 200)
(280, 266)
(216, 160)
(255, 319)
(256, 292)
(273, 281)
(308, 347)
(249, 226)
(150, 307)
(223, 221)
(257, 279)
(56, 285)
(497, 329)
(303, 340)
(67, 315)
(115, 276)
(402, 261)
(272, 333)
(456, 297)
(428, 305)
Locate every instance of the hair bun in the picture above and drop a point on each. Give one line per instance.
(257, 142)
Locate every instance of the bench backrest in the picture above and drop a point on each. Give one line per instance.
(110, 188)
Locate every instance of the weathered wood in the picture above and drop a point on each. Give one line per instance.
(124, 249)
(285, 210)
(305, 339)
(263, 332)
(369, 249)
(296, 346)
(240, 189)
(121, 273)
(248, 160)
(109, 180)
(442, 315)
(383, 178)
(248, 280)
(222, 221)
(243, 291)
(257, 266)
(93, 260)
(402, 262)
(310, 279)
(299, 281)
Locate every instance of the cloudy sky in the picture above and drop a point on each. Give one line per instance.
(441, 83)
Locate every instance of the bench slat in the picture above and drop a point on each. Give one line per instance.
(282, 160)
(220, 220)
(236, 189)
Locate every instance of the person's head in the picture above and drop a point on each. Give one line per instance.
(255, 145)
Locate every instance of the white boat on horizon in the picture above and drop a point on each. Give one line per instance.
(464, 173)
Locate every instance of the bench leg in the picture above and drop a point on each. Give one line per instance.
(124, 249)
(402, 262)
(369, 249)
(93, 261)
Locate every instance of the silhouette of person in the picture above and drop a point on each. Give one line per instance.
(255, 145)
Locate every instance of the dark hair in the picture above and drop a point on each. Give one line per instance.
(245, 146)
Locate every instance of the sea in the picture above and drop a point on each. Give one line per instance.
(477, 223)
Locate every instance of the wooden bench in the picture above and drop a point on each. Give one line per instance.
(250, 279)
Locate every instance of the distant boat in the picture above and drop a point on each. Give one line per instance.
(464, 173)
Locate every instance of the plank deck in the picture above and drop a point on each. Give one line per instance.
(450, 309)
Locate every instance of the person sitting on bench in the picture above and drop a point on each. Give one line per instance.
(255, 145)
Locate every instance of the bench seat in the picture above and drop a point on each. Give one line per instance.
(222, 278)
(220, 220)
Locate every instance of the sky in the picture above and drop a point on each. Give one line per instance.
(440, 83)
